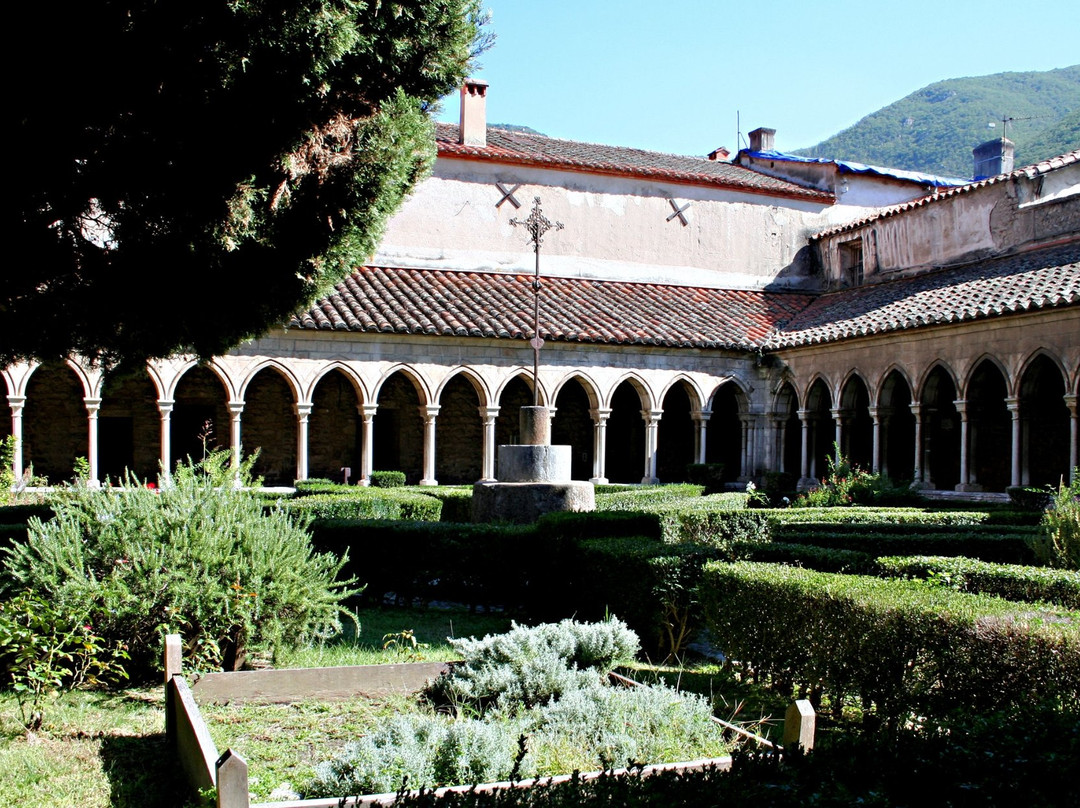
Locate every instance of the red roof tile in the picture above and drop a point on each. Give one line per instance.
(519, 148)
(476, 304)
(1026, 281)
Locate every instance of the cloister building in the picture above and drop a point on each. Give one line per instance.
(750, 313)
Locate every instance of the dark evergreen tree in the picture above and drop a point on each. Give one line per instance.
(185, 175)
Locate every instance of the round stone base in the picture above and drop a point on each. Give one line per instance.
(524, 503)
(534, 464)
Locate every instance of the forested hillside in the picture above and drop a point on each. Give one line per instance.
(934, 129)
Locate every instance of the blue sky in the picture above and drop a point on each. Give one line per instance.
(675, 76)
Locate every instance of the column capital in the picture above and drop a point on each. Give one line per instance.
(235, 407)
(17, 402)
(1069, 398)
(838, 413)
(303, 409)
(489, 412)
(368, 410)
(916, 409)
(961, 406)
(165, 405)
(92, 404)
(600, 414)
(651, 417)
(1012, 404)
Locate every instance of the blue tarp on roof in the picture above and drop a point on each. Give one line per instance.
(848, 167)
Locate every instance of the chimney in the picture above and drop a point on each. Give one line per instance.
(473, 129)
(992, 158)
(720, 154)
(761, 139)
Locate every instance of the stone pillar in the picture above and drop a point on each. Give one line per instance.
(776, 447)
(93, 407)
(804, 461)
(429, 412)
(701, 420)
(875, 456)
(917, 474)
(652, 427)
(165, 408)
(1070, 402)
(600, 417)
(488, 416)
(236, 409)
(367, 412)
(745, 431)
(1017, 473)
(18, 402)
(303, 413)
(838, 419)
(965, 483)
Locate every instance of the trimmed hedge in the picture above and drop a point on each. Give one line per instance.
(877, 516)
(1003, 548)
(456, 502)
(630, 498)
(366, 503)
(1009, 581)
(899, 647)
(810, 556)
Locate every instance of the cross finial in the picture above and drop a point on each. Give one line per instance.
(537, 224)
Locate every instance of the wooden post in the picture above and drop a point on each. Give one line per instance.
(799, 724)
(232, 781)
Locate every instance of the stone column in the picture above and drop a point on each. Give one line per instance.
(488, 415)
(701, 419)
(875, 456)
(965, 483)
(745, 431)
(1070, 402)
(429, 412)
(917, 474)
(93, 407)
(367, 412)
(838, 418)
(18, 402)
(236, 409)
(165, 408)
(303, 413)
(652, 427)
(804, 461)
(600, 417)
(1017, 473)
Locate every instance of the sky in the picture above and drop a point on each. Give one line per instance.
(685, 76)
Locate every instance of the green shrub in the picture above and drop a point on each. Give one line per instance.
(631, 498)
(1030, 499)
(1009, 581)
(822, 559)
(456, 502)
(198, 557)
(1059, 543)
(879, 516)
(847, 484)
(387, 479)
(708, 475)
(1003, 548)
(898, 647)
(365, 503)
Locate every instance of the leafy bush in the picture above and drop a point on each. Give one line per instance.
(847, 484)
(1030, 499)
(1059, 544)
(1009, 581)
(356, 502)
(631, 498)
(387, 479)
(456, 502)
(198, 557)
(898, 647)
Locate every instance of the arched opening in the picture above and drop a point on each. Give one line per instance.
(459, 434)
(789, 431)
(625, 458)
(940, 431)
(335, 429)
(573, 427)
(857, 427)
(723, 438)
(515, 395)
(129, 428)
(897, 450)
(55, 424)
(675, 436)
(398, 429)
(989, 429)
(269, 425)
(822, 431)
(200, 417)
(1045, 431)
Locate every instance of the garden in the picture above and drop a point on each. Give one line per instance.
(939, 644)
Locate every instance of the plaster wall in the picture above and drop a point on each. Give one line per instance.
(616, 228)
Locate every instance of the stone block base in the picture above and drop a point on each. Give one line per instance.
(524, 503)
(534, 464)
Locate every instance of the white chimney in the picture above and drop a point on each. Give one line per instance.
(761, 139)
(473, 129)
(992, 158)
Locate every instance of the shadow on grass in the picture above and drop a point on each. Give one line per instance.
(143, 770)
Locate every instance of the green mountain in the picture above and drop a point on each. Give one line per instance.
(934, 129)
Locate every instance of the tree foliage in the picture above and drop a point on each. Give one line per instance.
(186, 175)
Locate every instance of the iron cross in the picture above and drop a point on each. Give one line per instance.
(537, 224)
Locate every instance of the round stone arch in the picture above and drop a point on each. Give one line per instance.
(459, 428)
(54, 422)
(989, 425)
(893, 400)
(269, 422)
(787, 431)
(336, 423)
(200, 420)
(129, 427)
(821, 431)
(515, 392)
(677, 431)
(625, 458)
(576, 401)
(939, 459)
(398, 425)
(729, 404)
(1045, 428)
(857, 426)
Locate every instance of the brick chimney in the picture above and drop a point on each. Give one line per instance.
(761, 139)
(720, 154)
(473, 129)
(992, 158)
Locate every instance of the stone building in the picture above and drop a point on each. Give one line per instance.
(693, 310)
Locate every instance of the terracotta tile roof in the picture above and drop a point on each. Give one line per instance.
(476, 304)
(519, 148)
(1022, 282)
(1027, 172)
